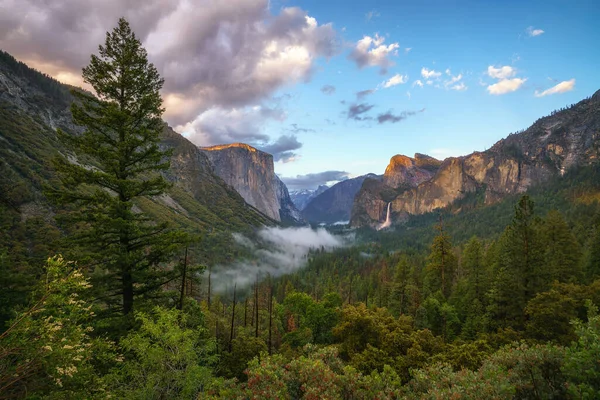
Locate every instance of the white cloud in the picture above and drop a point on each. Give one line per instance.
(564, 86)
(459, 87)
(502, 72)
(407, 50)
(418, 82)
(226, 55)
(408, 94)
(506, 86)
(371, 52)
(395, 80)
(450, 83)
(277, 251)
(428, 74)
(533, 32)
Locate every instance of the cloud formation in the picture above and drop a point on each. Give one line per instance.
(506, 81)
(328, 89)
(277, 251)
(283, 148)
(453, 83)
(533, 32)
(313, 181)
(506, 86)
(502, 72)
(220, 55)
(564, 86)
(389, 116)
(395, 80)
(371, 52)
(355, 111)
(429, 74)
(364, 93)
(418, 82)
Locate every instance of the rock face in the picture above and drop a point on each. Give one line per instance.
(288, 212)
(404, 171)
(553, 144)
(335, 203)
(252, 174)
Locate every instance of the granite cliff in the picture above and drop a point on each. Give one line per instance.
(567, 138)
(252, 174)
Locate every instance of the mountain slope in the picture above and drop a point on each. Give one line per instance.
(335, 203)
(301, 198)
(33, 105)
(553, 144)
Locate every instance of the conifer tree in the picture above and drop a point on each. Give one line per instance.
(118, 162)
(441, 263)
(563, 253)
(472, 263)
(518, 267)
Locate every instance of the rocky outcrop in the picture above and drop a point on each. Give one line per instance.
(553, 144)
(288, 212)
(403, 171)
(335, 203)
(252, 174)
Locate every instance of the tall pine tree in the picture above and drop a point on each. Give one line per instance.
(519, 266)
(441, 263)
(118, 161)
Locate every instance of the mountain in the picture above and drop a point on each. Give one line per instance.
(33, 106)
(403, 171)
(335, 203)
(301, 198)
(567, 138)
(252, 174)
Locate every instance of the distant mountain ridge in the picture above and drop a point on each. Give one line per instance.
(335, 204)
(302, 197)
(567, 138)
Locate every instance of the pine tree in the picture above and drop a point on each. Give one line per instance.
(118, 161)
(441, 263)
(472, 264)
(518, 267)
(563, 253)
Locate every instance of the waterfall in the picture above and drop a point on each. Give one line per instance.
(388, 221)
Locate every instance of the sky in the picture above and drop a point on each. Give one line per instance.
(334, 89)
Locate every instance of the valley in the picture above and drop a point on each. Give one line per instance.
(138, 263)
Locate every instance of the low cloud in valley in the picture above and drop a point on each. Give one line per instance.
(277, 251)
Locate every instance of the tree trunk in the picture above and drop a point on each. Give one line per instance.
(232, 319)
(271, 319)
(182, 294)
(209, 271)
(256, 307)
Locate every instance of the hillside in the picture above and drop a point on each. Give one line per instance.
(552, 145)
(335, 203)
(33, 106)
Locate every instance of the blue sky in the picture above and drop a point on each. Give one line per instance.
(443, 78)
(464, 37)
